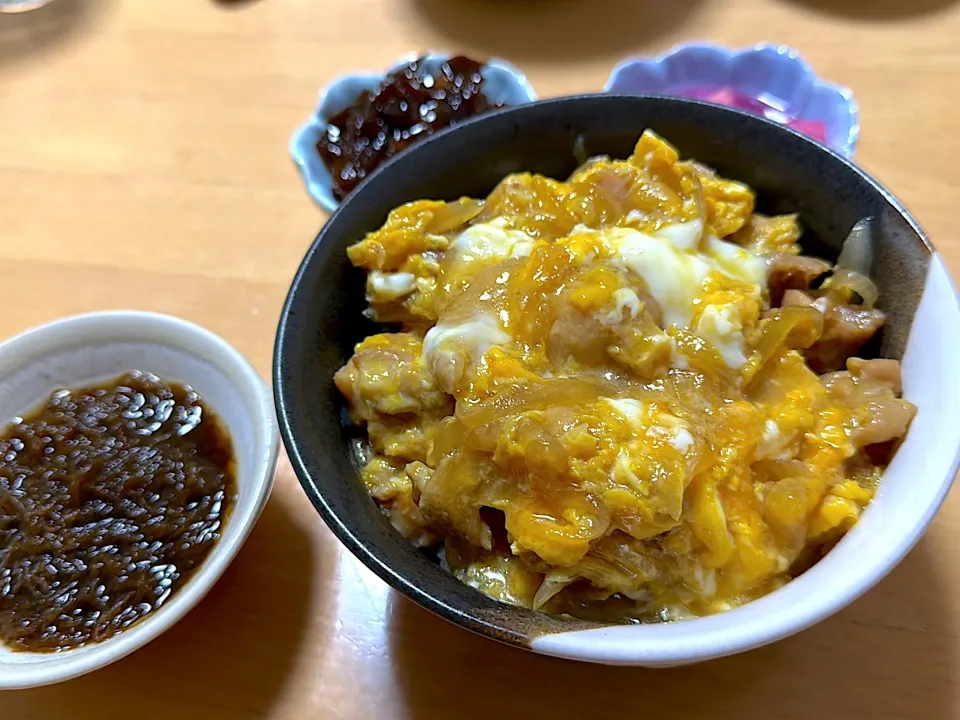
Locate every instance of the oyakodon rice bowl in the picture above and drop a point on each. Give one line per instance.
(626, 396)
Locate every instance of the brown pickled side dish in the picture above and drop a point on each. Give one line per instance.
(111, 497)
(408, 105)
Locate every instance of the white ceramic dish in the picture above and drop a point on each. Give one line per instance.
(502, 83)
(101, 346)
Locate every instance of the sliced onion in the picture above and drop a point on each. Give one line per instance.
(856, 254)
(456, 214)
(580, 150)
(554, 582)
(843, 279)
(791, 328)
(446, 439)
(852, 270)
(536, 396)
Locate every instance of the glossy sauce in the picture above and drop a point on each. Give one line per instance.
(407, 106)
(111, 497)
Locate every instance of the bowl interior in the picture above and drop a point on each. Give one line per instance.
(322, 319)
(100, 347)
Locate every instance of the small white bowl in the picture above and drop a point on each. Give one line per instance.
(502, 83)
(101, 346)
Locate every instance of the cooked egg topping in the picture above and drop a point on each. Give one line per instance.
(592, 405)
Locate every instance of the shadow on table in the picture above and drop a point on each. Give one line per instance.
(229, 658)
(552, 29)
(234, 4)
(875, 9)
(892, 654)
(25, 34)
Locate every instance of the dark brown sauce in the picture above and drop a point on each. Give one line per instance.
(407, 106)
(110, 498)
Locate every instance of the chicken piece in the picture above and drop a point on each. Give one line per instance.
(387, 376)
(629, 195)
(393, 489)
(606, 314)
(767, 235)
(870, 389)
(531, 203)
(846, 328)
(650, 190)
(390, 390)
(792, 272)
(880, 372)
(882, 420)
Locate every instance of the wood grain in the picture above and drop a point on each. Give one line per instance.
(143, 164)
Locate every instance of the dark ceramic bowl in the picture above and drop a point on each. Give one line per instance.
(322, 321)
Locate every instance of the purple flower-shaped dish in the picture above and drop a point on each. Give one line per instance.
(768, 80)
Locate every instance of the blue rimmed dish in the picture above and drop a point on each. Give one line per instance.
(503, 84)
(769, 80)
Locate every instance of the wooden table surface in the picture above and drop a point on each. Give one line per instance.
(143, 165)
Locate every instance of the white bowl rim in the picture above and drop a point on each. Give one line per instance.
(188, 336)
